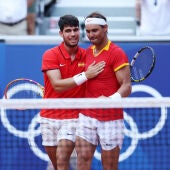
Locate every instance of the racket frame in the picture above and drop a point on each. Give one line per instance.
(22, 79)
(151, 68)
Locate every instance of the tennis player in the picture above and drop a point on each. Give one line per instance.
(103, 126)
(63, 68)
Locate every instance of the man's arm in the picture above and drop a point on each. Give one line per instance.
(123, 77)
(60, 84)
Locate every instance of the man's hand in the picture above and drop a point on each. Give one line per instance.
(94, 69)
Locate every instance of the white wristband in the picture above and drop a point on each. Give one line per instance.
(116, 96)
(80, 78)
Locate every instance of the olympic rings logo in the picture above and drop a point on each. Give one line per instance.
(32, 132)
(134, 133)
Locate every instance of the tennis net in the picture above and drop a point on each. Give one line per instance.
(146, 143)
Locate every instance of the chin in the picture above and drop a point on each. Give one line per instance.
(73, 45)
(93, 41)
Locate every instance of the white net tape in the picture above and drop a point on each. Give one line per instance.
(70, 103)
(145, 128)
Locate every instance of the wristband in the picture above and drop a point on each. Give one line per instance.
(116, 96)
(80, 78)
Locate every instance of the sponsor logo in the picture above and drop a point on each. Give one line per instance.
(81, 64)
(61, 65)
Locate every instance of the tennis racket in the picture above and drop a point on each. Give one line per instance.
(142, 64)
(23, 88)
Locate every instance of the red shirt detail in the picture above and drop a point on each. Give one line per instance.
(105, 83)
(58, 58)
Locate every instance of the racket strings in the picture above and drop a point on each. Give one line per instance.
(24, 90)
(142, 65)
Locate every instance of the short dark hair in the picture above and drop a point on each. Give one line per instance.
(68, 20)
(96, 15)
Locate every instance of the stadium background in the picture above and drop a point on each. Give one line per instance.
(19, 59)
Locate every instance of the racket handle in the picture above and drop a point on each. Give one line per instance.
(116, 96)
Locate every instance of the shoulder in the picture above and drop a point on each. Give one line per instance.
(51, 52)
(116, 48)
(82, 50)
(90, 48)
(117, 53)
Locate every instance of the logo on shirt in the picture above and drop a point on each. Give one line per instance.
(81, 64)
(61, 65)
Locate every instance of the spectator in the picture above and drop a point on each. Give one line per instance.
(31, 18)
(48, 7)
(153, 17)
(13, 17)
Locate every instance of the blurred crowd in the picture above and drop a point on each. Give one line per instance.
(23, 17)
(153, 17)
(20, 17)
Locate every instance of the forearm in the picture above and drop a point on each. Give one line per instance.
(125, 90)
(64, 84)
(61, 85)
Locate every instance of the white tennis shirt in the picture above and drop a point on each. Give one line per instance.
(12, 10)
(155, 18)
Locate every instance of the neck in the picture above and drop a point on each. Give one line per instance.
(71, 50)
(100, 46)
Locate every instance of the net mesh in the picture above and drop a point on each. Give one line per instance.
(146, 142)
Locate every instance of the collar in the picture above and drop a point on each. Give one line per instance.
(106, 47)
(65, 53)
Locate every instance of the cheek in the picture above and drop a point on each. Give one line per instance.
(91, 34)
(101, 35)
(88, 34)
(77, 34)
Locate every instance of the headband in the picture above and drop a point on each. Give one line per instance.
(98, 21)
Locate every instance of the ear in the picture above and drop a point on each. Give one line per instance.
(61, 33)
(106, 28)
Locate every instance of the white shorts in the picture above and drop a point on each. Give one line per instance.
(53, 130)
(108, 133)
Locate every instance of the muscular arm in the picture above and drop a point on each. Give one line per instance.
(123, 77)
(60, 84)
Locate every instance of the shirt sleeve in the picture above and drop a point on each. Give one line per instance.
(120, 59)
(49, 61)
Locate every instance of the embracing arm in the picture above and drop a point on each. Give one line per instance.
(57, 83)
(60, 84)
